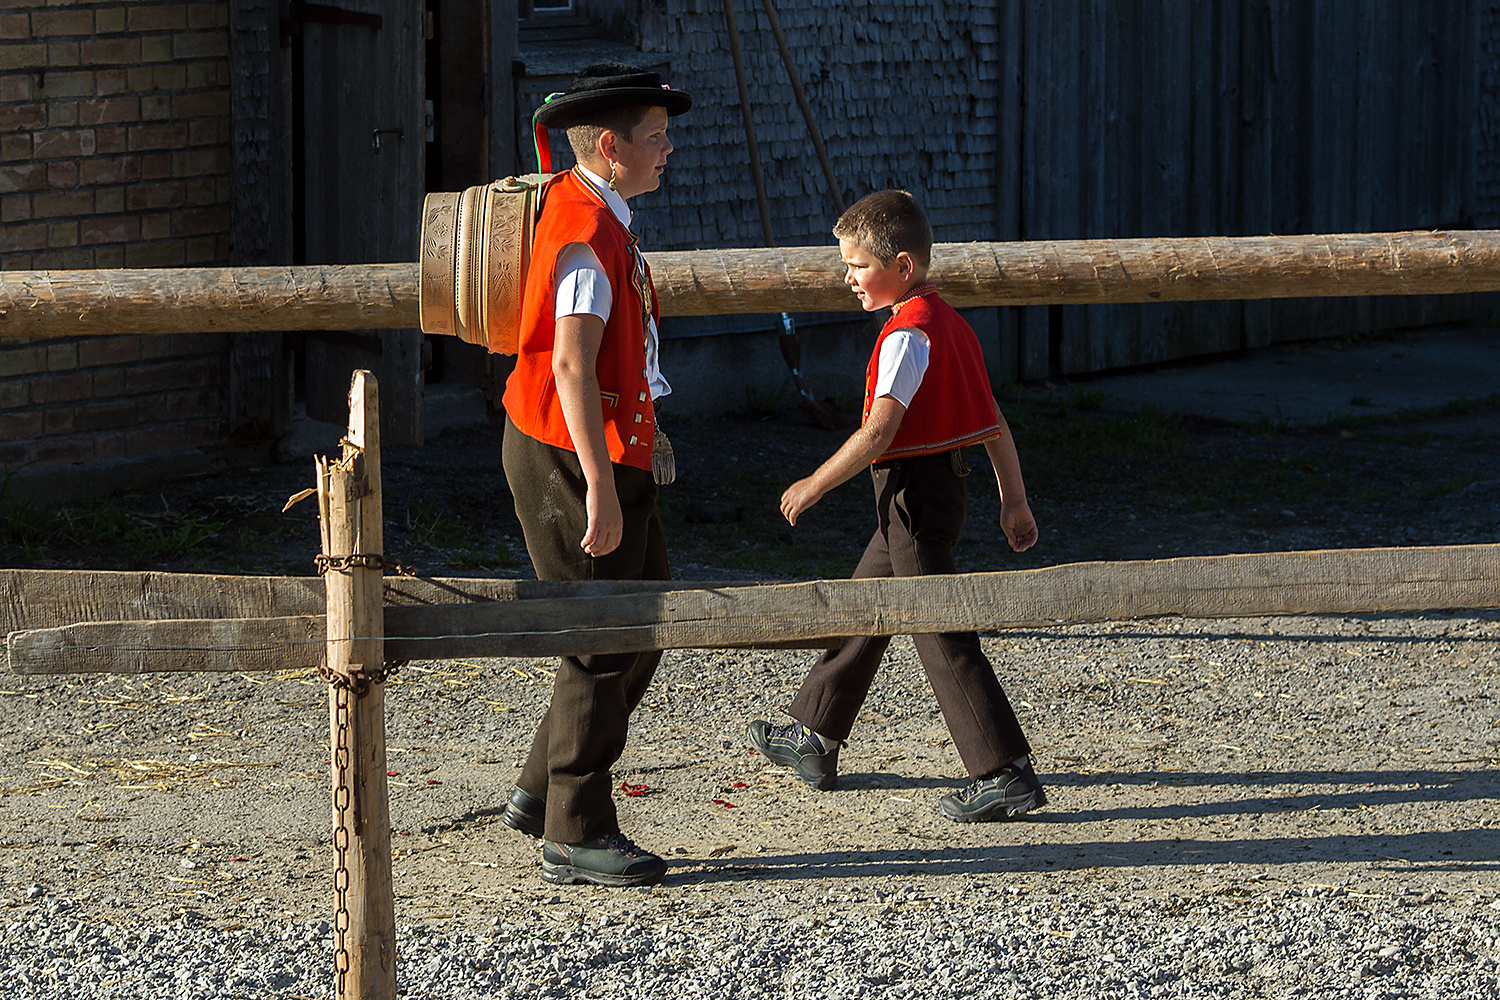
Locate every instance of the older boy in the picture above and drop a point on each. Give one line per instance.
(926, 398)
(578, 453)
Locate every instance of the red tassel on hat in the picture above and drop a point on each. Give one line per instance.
(543, 147)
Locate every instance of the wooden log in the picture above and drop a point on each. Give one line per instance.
(792, 279)
(1077, 272)
(365, 907)
(207, 300)
(1330, 581)
(52, 598)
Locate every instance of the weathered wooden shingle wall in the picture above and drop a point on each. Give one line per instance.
(1099, 118)
(904, 95)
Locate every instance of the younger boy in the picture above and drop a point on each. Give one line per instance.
(926, 398)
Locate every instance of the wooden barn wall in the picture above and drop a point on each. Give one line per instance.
(1174, 118)
(1095, 118)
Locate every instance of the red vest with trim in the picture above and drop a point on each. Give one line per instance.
(573, 213)
(954, 406)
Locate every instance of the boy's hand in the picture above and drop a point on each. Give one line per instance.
(854, 455)
(1019, 526)
(606, 523)
(798, 497)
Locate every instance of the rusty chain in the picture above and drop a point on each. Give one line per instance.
(327, 564)
(346, 689)
(359, 679)
(345, 805)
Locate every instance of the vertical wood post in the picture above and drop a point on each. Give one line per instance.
(349, 505)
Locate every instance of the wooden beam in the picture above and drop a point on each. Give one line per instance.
(794, 279)
(207, 300)
(1328, 581)
(52, 598)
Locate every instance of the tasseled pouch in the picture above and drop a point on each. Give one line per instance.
(663, 462)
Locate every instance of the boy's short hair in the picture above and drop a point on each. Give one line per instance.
(887, 223)
(584, 137)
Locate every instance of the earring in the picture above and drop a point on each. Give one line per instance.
(611, 175)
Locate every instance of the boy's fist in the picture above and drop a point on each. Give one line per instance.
(1019, 526)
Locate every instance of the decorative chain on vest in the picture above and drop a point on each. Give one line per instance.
(642, 287)
(916, 292)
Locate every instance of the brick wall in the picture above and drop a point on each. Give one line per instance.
(114, 152)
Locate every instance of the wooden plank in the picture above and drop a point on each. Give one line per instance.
(51, 598)
(500, 88)
(1011, 122)
(193, 645)
(44, 598)
(1329, 581)
(260, 388)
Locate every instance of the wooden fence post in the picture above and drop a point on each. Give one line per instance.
(350, 517)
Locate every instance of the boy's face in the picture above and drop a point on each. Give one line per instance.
(639, 161)
(877, 285)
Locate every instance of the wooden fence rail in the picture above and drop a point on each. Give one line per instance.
(793, 279)
(350, 622)
(816, 614)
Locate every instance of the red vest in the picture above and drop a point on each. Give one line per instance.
(573, 213)
(954, 406)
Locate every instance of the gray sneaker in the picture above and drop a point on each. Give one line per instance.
(1008, 792)
(610, 860)
(799, 748)
(525, 812)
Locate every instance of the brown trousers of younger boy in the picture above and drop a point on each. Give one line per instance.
(921, 504)
(583, 732)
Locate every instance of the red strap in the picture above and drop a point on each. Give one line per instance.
(543, 148)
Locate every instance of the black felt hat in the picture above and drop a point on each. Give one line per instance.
(609, 85)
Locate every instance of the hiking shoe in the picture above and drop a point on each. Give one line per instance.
(525, 812)
(1008, 792)
(799, 748)
(610, 860)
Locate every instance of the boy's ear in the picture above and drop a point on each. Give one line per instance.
(906, 266)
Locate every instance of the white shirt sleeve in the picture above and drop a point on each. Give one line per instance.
(903, 362)
(582, 285)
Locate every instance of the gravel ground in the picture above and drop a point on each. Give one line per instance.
(1241, 808)
(1248, 808)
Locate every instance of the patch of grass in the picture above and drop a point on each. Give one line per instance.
(487, 560)
(103, 533)
(428, 526)
(1080, 398)
(1073, 438)
(762, 404)
(851, 400)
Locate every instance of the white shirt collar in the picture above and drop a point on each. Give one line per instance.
(611, 198)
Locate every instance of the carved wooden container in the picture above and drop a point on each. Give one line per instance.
(476, 248)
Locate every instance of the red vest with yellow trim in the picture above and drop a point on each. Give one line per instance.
(954, 406)
(573, 213)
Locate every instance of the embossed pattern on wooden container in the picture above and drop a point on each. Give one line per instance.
(476, 249)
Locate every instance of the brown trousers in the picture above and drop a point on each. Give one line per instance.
(921, 504)
(583, 731)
